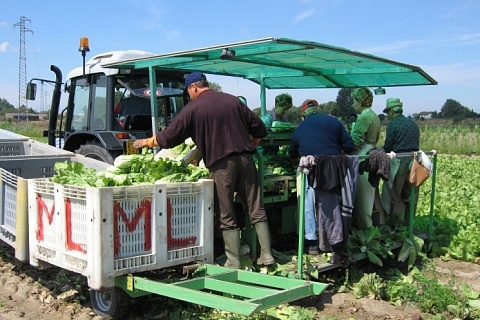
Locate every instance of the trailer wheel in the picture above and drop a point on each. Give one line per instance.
(111, 302)
(95, 151)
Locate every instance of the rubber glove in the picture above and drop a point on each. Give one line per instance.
(256, 141)
(149, 142)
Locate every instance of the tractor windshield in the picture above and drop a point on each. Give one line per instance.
(133, 98)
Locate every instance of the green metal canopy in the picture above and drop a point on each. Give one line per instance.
(281, 63)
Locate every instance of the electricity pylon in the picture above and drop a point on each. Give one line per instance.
(22, 68)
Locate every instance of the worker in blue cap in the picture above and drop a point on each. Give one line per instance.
(223, 129)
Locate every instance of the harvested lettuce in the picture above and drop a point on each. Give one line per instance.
(128, 170)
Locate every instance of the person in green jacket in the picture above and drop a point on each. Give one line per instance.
(365, 135)
(402, 136)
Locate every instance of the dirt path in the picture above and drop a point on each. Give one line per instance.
(32, 294)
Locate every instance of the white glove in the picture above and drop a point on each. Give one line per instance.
(391, 155)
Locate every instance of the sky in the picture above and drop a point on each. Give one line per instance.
(441, 37)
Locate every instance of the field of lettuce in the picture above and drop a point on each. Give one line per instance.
(456, 218)
(385, 293)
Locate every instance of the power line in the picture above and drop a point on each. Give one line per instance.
(22, 68)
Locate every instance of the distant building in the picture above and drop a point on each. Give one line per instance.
(21, 116)
(424, 114)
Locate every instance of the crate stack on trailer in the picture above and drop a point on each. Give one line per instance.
(98, 232)
(21, 159)
(103, 233)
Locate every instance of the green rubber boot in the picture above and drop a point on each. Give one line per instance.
(231, 238)
(263, 234)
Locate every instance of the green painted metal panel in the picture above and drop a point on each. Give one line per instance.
(196, 296)
(266, 280)
(230, 287)
(236, 291)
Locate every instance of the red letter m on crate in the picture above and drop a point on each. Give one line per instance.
(143, 210)
(41, 208)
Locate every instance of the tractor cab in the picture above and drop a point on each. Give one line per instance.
(133, 104)
(107, 107)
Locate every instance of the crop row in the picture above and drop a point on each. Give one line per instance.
(458, 139)
(456, 217)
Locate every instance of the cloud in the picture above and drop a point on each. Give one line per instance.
(303, 16)
(466, 73)
(155, 19)
(468, 39)
(4, 46)
(395, 47)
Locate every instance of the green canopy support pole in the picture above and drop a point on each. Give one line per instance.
(263, 98)
(301, 224)
(432, 196)
(153, 101)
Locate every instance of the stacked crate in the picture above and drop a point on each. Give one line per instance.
(22, 159)
(107, 232)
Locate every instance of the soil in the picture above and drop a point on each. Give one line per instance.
(31, 294)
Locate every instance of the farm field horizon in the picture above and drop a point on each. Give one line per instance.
(456, 214)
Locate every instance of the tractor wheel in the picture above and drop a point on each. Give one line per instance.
(95, 151)
(110, 303)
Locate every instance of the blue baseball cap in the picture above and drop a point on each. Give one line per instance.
(194, 77)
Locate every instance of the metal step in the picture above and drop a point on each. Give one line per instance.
(237, 291)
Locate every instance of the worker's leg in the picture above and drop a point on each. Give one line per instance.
(398, 194)
(311, 229)
(364, 199)
(248, 188)
(263, 233)
(231, 238)
(386, 197)
(224, 176)
(406, 193)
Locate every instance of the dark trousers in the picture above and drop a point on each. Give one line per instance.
(238, 174)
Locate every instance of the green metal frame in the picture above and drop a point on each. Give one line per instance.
(237, 291)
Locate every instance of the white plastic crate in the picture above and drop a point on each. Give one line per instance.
(29, 147)
(9, 136)
(107, 232)
(15, 171)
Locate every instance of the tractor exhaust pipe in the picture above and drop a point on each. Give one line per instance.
(54, 108)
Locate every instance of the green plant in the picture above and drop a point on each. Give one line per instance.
(400, 288)
(127, 170)
(369, 241)
(371, 286)
(410, 250)
(428, 293)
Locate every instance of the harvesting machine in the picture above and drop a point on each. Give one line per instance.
(118, 236)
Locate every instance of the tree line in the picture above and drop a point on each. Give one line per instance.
(342, 108)
(7, 107)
